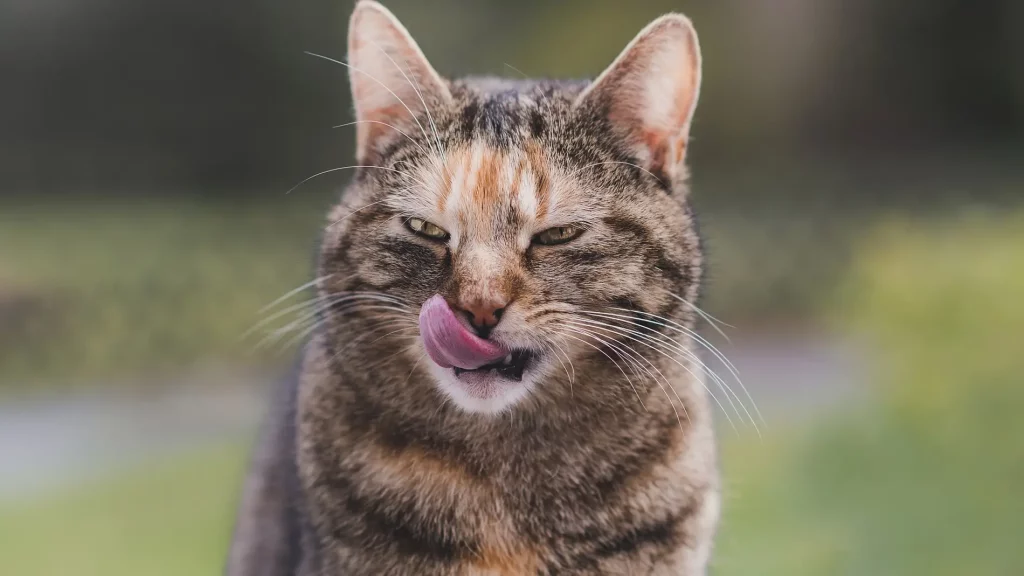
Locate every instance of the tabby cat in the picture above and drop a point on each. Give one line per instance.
(503, 377)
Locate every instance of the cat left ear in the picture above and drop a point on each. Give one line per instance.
(649, 94)
(393, 84)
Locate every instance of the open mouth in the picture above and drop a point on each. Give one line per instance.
(511, 367)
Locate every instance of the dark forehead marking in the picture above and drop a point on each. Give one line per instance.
(467, 118)
(508, 112)
(627, 225)
(537, 123)
(499, 120)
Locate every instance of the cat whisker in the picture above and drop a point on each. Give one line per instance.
(355, 166)
(672, 325)
(672, 345)
(553, 308)
(413, 369)
(275, 336)
(316, 303)
(334, 299)
(410, 138)
(566, 334)
(381, 296)
(383, 85)
(405, 323)
(360, 209)
(318, 322)
(641, 168)
(623, 350)
(660, 340)
(517, 70)
(658, 347)
(707, 345)
(442, 402)
(390, 357)
(342, 302)
(664, 388)
(430, 118)
(548, 346)
(294, 291)
(572, 377)
(711, 320)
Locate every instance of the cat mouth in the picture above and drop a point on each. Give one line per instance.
(511, 367)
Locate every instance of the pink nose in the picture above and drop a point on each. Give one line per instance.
(449, 343)
(483, 315)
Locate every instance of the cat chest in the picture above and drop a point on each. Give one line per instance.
(419, 510)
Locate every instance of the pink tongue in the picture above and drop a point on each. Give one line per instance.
(449, 343)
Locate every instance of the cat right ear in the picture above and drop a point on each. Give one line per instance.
(393, 84)
(649, 94)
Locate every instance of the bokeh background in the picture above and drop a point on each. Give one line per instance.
(859, 169)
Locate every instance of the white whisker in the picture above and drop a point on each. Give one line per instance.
(641, 168)
(414, 142)
(711, 320)
(294, 291)
(641, 338)
(674, 346)
(316, 302)
(711, 348)
(387, 323)
(572, 377)
(517, 70)
(360, 209)
(344, 301)
(383, 85)
(618, 346)
(318, 174)
(426, 108)
(605, 354)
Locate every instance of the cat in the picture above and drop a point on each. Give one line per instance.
(503, 378)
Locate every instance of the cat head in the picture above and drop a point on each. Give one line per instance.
(500, 236)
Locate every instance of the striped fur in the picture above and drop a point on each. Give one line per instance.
(591, 471)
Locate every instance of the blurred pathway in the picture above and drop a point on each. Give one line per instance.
(790, 376)
(49, 442)
(53, 441)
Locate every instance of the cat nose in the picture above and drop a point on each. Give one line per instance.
(483, 315)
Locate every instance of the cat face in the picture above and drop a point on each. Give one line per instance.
(532, 217)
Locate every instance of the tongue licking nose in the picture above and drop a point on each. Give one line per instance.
(449, 343)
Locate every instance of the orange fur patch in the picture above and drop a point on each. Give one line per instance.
(476, 181)
(485, 193)
(417, 469)
(446, 188)
(538, 165)
(499, 558)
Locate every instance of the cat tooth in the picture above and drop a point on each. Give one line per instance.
(507, 360)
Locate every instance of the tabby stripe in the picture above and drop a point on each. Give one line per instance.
(663, 533)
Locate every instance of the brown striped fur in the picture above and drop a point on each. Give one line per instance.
(599, 470)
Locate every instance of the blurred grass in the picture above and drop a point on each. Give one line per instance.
(172, 519)
(928, 479)
(94, 290)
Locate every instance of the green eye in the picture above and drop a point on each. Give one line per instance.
(426, 229)
(557, 235)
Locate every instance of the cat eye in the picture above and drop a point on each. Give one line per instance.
(557, 235)
(426, 229)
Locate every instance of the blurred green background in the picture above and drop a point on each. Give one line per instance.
(857, 168)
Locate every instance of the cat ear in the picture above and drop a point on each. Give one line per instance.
(649, 93)
(392, 82)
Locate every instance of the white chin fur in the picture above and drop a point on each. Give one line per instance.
(475, 398)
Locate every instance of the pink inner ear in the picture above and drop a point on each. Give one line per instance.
(652, 89)
(666, 151)
(387, 69)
